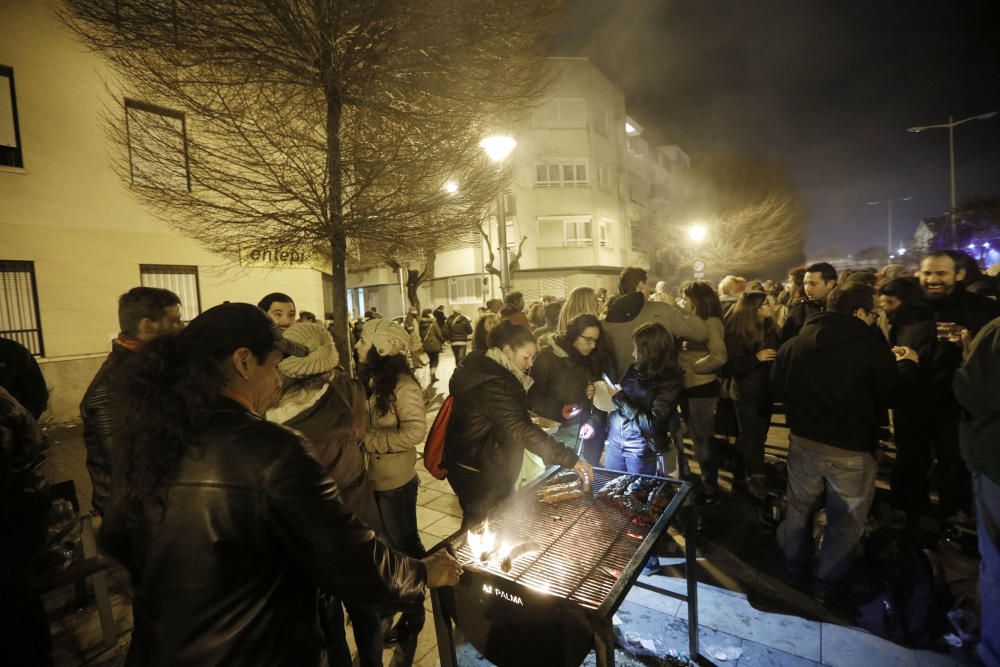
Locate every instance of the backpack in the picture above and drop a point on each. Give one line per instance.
(436, 436)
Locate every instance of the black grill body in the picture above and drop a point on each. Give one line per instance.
(553, 606)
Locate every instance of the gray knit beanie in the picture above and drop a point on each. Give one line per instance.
(322, 357)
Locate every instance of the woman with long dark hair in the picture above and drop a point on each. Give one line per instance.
(490, 427)
(645, 415)
(751, 346)
(563, 388)
(432, 340)
(226, 522)
(701, 363)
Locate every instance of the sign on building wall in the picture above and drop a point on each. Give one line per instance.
(277, 257)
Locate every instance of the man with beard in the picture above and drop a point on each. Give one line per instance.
(820, 278)
(957, 312)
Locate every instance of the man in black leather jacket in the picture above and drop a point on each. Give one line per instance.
(240, 527)
(144, 314)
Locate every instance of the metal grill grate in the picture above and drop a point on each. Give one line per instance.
(585, 544)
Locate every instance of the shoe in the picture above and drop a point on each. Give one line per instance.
(400, 632)
(652, 566)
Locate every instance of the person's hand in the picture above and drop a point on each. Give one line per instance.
(966, 340)
(767, 354)
(584, 472)
(586, 432)
(442, 569)
(904, 353)
(589, 391)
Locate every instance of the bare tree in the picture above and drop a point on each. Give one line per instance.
(307, 124)
(755, 217)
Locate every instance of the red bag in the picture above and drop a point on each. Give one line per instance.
(434, 446)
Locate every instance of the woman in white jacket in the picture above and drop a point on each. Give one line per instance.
(701, 363)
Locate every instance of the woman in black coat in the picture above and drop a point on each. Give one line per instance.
(751, 346)
(490, 427)
(563, 391)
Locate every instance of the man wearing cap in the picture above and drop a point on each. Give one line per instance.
(227, 523)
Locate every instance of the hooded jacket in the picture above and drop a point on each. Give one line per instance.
(798, 313)
(228, 572)
(490, 427)
(835, 377)
(629, 312)
(458, 328)
(977, 388)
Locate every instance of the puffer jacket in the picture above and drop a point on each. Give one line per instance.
(490, 427)
(458, 328)
(229, 571)
(701, 362)
(324, 416)
(97, 411)
(392, 438)
(646, 412)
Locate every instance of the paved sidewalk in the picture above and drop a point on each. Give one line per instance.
(649, 624)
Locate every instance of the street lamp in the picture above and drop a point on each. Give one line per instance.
(451, 187)
(497, 148)
(951, 125)
(697, 233)
(889, 203)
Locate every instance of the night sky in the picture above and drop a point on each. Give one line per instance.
(825, 87)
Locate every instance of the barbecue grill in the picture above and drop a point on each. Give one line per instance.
(553, 604)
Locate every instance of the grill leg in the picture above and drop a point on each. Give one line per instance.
(604, 643)
(445, 633)
(691, 561)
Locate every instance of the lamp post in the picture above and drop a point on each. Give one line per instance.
(497, 148)
(889, 203)
(951, 125)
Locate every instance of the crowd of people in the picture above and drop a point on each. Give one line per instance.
(256, 489)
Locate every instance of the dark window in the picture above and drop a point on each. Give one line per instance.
(10, 131)
(157, 146)
(181, 280)
(19, 305)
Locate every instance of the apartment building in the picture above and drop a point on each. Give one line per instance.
(587, 184)
(72, 239)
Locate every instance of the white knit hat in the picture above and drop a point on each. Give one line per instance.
(322, 356)
(388, 337)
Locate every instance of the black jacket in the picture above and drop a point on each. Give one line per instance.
(228, 572)
(835, 378)
(490, 427)
(912, 325)
(646, 413)
(747, 375)
(972, 311)
(977, 388)
(97, 411)
(561, 378)
(458, 328)
(21, 376)
(798, 313)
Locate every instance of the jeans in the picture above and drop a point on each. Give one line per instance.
(842, 481)
(987, 493)
(701, 426)
(626, 460)
(398, 510)
(434, 358)
(459, 351)
(367, 633)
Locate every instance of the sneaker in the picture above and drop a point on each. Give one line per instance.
(652, 566)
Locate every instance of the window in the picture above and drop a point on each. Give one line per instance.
(607, 233)
(568, 231)
(181, 280)
(19, 305)
(157, 146)
(561, 114)
(10, 131)
(561, 174)
(467, 289)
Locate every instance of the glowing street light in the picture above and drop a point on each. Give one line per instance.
(451, 187)
(697, 233)
(498, 147)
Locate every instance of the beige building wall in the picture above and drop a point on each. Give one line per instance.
(69, 213)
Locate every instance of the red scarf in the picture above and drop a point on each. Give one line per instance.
(130, 344)
(239, 398)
